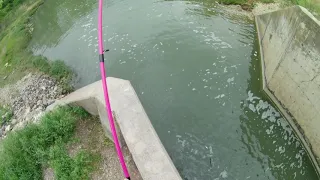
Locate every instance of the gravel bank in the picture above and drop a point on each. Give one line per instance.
(28, 98)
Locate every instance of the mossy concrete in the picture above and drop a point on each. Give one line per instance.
(290, 53)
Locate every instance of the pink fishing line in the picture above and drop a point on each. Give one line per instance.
(106, 95)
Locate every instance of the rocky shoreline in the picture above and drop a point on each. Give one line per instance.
(259, 8)
(28, 99)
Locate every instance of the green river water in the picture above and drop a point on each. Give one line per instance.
(197, 73)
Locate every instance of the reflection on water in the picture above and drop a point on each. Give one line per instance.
(196, 71)
(53, 25)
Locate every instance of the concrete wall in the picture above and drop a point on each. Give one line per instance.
(147, 151)
(290, 52)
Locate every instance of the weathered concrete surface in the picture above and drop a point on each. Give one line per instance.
(151, 158)
(290, 52)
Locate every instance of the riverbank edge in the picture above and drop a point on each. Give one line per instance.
(285, 112)
(17, 60)
(29, 83)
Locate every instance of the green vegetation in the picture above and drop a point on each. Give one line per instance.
(15, 33)
(25, 154)
(5, 114)
(66, 167)
(312, 5)
(232, 2)
(56, 69)
(6, 6)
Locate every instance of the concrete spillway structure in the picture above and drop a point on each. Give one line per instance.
(290, 53)
(134, 126)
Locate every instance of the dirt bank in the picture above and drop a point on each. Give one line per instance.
(257, 9)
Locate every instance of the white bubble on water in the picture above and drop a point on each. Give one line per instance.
(299, 157)
(252, 108)
(230, 80)
(262, 105)
(251, 97)
(281, 149)
(224, 174)
(193, 89)
(225, 70)
(225, 45)
(196, 152)
(87, 25)
(270, 131)
(234, 66)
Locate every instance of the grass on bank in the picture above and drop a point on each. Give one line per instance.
(15, 33)
(5, 114)
(311, 5)
(244, 2)
(25, 154)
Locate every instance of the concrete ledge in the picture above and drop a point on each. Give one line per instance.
(147, 151)
(290, 53)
